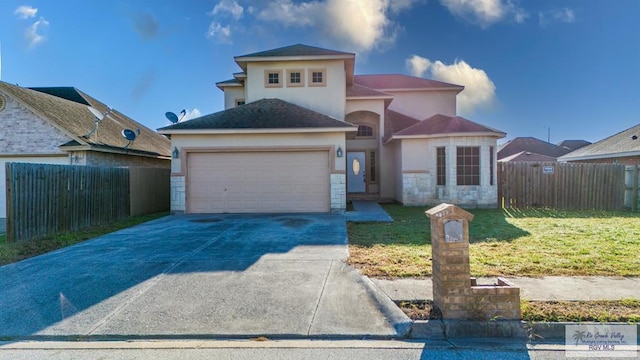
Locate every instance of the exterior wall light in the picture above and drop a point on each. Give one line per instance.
(176, 153)
(339, 152)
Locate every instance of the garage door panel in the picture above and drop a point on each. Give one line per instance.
(258, 182)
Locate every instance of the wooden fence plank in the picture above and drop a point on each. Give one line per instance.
(562, 185)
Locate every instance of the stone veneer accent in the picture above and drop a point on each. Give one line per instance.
(455, 293)
(416, 189)
(178, 195)
(338, 192)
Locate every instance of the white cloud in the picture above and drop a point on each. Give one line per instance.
(25, 12)
(230, 7)
(485, 12)
(361, 25)
(479, 91)
(565, 15)
(33, 37)
(218, 33)
(224, 9)
(418, 65)
(191, 114)
(287, 13)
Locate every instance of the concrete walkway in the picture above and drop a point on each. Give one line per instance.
(367, 211)
(538, 289)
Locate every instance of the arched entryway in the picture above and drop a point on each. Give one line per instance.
(363, 176)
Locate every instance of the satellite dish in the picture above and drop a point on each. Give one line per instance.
(97, 114)
(171, 116)
(129, 134)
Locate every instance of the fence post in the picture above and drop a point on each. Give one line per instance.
(635, 190)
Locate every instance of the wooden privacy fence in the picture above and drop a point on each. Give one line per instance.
(48, 199)
(572, 186)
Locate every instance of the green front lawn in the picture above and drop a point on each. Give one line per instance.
(532, 242)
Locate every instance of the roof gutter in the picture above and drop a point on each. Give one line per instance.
(497, 135)
(599, 156)
(256, 131)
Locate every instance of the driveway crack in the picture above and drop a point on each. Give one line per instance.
(315, 311)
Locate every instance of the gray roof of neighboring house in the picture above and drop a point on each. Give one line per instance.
(295, 50)
(574, 144)
(442, 124)
(532, 145)
(527, 156)
(624, 143)
(261, 114)
(66, 108)
(402, 82)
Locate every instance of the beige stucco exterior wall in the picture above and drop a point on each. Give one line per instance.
(328, 100)
(423, 104)
(418, 163)
(386, 154)
(231, 95)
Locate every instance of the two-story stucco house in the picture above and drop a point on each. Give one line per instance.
(300, 132)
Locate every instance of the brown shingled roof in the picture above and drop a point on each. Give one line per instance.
(356, 90)
(402, 82)
(442, 124)
(261, 114)
(532, 145)
(527, 156)
(74, 118)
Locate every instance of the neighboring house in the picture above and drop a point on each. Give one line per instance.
(527, 156)
(621, 148)
(56, 126)
(573, 144)
(300, 132)
(529, 149)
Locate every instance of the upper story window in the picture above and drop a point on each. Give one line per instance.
(318, 77)
(295, 78)
(273, 78)
(364, 131)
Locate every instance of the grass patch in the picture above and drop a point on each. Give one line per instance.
(13, 252)
(627, 311)
(530, 242)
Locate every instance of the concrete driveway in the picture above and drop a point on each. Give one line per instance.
(206, 275)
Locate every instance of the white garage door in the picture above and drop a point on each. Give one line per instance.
(258, 182)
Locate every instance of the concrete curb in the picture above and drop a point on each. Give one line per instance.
(534, 331)
(400, 321)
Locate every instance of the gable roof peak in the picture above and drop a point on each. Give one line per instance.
(295, 51)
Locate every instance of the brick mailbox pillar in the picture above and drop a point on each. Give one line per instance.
(455, 293)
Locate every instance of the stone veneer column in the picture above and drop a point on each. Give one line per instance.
(338, 192)
(178, 195)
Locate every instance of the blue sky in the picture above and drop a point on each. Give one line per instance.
(568, 65)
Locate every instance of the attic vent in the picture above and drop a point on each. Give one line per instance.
(2, 102)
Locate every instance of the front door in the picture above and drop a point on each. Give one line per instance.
(356, 174)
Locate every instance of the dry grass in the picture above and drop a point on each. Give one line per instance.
(523, 243)
(552, 311)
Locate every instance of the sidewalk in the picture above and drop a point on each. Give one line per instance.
(550, 288)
